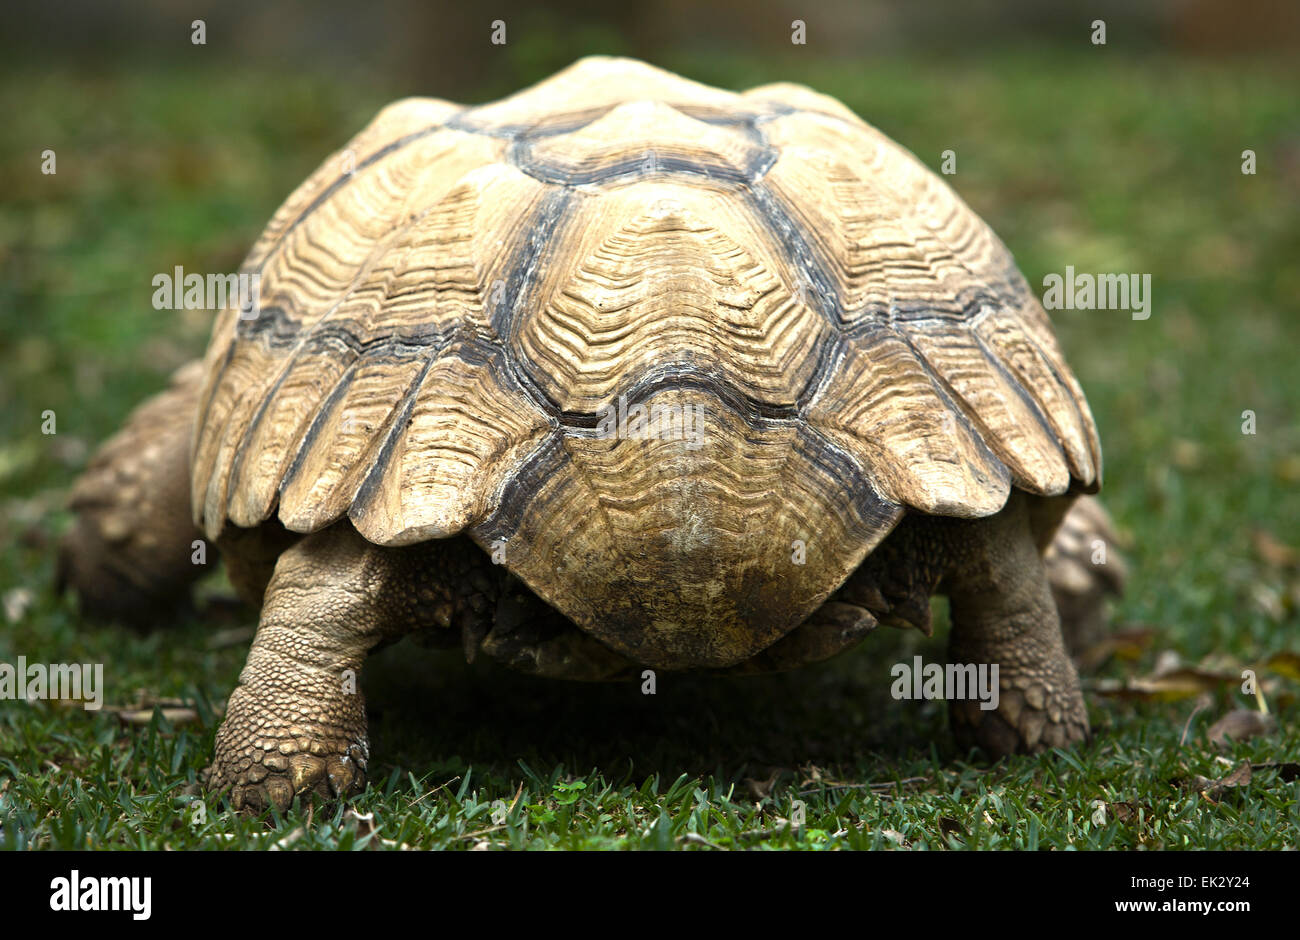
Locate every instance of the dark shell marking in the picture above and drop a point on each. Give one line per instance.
(444, 324)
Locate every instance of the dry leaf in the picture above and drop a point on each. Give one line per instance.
(951, 827)
(1167, 661)
(761, 789)
(175, 710)
(814, 775)
(1273, 552)
(1238, 725)
(1289, 771)
(1211, 790)
(1239, 777)
(1122, 644)
(1124, 811)
(1185, 454)
(1167, 687)
(1285, 663)
(142, 716)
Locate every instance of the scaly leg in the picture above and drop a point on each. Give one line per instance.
(296, 724)
(129, 556)
(1003, 613)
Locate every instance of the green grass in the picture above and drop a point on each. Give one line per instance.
(1108, 164)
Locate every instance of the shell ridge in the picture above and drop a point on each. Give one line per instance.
(880, 231)
(342, 180)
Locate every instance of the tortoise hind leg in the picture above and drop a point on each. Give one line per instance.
(129, 554)
(1003, 613)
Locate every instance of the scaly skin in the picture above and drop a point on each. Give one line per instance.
(294, 727)
(1003, 612)
(129, 554)
(296, 724)
(1081, 585)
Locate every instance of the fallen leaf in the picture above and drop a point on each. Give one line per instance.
(694, 838)
(951, 827)
(1289, 771)
(814, 775)
(1287, 468)
(1211, 790)
(1122, 644)
(1171, 686)
(1238, 725)
(1185, 454)
(1239, 777)
(882, 787)
(1124, 811)
(142, 716)
(140, 712)
(761, 789)
(1285, 663)
(1274, 552)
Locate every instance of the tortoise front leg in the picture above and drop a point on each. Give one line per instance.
(296, 724)
(1003, 613)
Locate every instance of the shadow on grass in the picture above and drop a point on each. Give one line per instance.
(430, 713)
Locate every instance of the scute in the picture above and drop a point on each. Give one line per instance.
(451, 303)
(667, 278)
(447, 452)
(591, 87)
(880, 399)
(687, 552)
(634, 139)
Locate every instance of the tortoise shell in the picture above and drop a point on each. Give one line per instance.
(681, 357)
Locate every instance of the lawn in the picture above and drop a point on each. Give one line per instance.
(1082, 159)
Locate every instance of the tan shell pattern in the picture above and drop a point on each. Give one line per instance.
(448, 304)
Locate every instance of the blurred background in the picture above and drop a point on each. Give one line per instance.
(1122, 157)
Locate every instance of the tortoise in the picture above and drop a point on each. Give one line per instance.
(620, 373)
